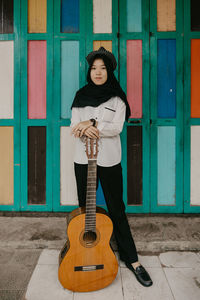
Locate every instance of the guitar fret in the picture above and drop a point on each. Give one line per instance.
(90, 218)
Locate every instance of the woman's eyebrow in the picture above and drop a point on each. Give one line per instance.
(96, 65)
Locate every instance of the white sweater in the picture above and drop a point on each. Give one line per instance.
(110, 116)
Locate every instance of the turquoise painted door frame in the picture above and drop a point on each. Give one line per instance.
(58, 121)
(188, 121)
(86, 37)
(158, 124)
(25, 121)
(144, 122)
(153, 127)
(15, 122)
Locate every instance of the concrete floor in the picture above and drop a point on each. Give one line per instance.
(30, 245)
(175, 275)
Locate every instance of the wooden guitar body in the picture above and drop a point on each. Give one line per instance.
(87, 262)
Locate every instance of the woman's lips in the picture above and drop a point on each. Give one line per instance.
(98, 78)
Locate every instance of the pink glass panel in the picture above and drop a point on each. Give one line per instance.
(134, 77)
(37, 79)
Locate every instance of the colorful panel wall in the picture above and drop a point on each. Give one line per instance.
(36, 105)
(43, 45)
(192, 92)
(166, 106)
(9, 106)
(134, 79)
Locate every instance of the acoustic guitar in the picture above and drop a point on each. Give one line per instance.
(87, 262)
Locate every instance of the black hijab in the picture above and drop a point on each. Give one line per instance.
(94, 95)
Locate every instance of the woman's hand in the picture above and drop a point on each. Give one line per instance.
(80, 128)
(85, 128)
(92, 132)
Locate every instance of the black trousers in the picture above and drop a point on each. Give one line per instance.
(112, 185)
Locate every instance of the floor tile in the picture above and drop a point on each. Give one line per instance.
(184, 283)
(179, 259)
(44, 285)
(49, 257)
(133, 290)
(113, 291)
(146, 261)
(149, 261)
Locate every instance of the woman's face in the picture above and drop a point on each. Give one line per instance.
(98, 73)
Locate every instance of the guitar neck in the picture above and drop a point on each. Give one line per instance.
(90, 218)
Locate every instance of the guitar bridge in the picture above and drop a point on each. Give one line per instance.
(88, 268)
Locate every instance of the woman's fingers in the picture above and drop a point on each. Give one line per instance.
(82, 126)
(91, 135)
(85, 128)
(92, 132)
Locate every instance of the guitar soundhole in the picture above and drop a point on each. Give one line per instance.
(89, 237)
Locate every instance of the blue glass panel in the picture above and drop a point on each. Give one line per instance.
(166, 165)
(134, 15)
(166, 79)
(70, 16)
(69, 75)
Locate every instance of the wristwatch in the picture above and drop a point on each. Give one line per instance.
(93, 122)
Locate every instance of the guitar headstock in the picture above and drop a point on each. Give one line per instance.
(91, 148)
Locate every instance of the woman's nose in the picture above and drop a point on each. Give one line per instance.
(98, 71)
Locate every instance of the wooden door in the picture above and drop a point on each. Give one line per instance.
(191, 106)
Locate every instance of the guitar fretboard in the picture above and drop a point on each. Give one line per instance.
(90, 218)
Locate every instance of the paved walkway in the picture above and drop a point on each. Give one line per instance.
(27, 270)
(176, 275)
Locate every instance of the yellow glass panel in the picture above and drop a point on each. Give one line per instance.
(106, 44)
(166, 15)
(37, 16)
(6, 165)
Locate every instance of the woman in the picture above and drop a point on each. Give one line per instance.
(99, 111)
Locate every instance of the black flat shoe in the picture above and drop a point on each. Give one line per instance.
(141, 274)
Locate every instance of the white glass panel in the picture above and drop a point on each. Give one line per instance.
(102, 16)
(68, 191)
(6, 79)
(195, 166)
